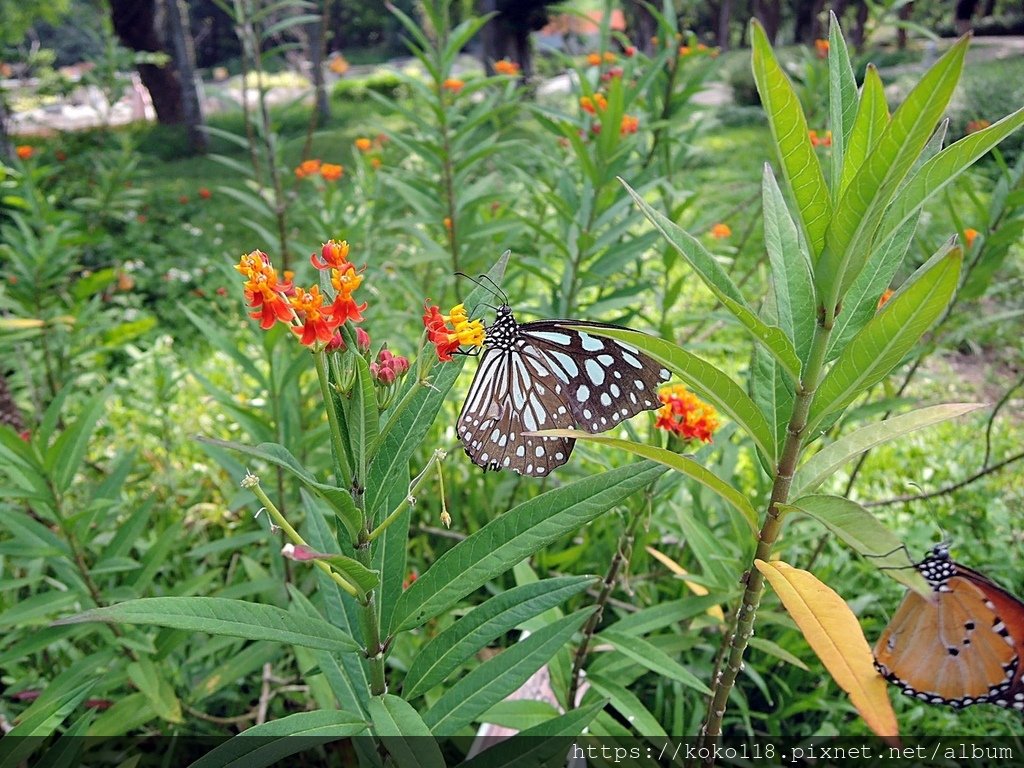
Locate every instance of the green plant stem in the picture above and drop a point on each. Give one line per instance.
(747, 611)
(341, 469)
(369, 615)
(410, 498)
(252, 483)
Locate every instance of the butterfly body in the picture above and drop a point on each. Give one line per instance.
(960, 648)
(549, 375)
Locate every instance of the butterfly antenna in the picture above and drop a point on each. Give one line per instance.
(498, 291)
(479, 283)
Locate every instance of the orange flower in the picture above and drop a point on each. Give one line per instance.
(886, 295)
(447, 223)
(630, 124)
(315, 323)
(821, 47)
(205, 193)
(333, 255)
(25, 151)
(594, 104)
(684, 50)
(721, 231)
(375, 162)
(824, 140)
(307, 168)
(338, 64)
(453, 84)
(331, 172)
(506, 67)
(970, 235)
(594, 59)
(264, 291)
(685, 414)
(463, 331)
(609, 57)
(977, 125)
(363, 144)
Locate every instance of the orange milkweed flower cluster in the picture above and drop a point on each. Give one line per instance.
(449, 332)
(822, 140)
(970, 235)
(821, 48)
(977, 125)
(328, 171)
(721, 231)
(24, 151)
(686, 415)
(364, 144)
(331, 172)
(593, 104)
(884, 298)
(453, 85)
(304, 311)
(630, 124)
(506, 67)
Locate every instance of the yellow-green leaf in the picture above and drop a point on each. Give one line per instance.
(834, 634)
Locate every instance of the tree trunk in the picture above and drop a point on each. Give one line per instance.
(6, 153)
(724, 24)
(316, 34)
(640, 25)
(769, 14)
(135, 22)
(184, 60)
(508, 33)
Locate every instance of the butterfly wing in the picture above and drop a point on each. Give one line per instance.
(954, 649)
(603, 381)
(513, 393)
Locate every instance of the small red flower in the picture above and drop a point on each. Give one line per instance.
(205, 193)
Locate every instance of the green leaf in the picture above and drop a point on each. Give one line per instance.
(649, 656)
(842, 100)
(220, 616)
(498, 615)
(338, 499)
(156, 688)
(361, 415)
(65, 456)
(889, 335)
(514, 536)
(704, 264)
(22, 740)
(268, 743)
(938, 172)
(871, 120)
(545, 744)
(128, 713)
(826, 462)
(404, 734)
(800, 165)
(859, 529)
(774, 649)
(792, 274)
(363, 578)
(858, 215)
(680, 463)
(703, 378)
(500, 675)
(627, 704)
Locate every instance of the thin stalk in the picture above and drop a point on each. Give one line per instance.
(747, 611)
(252, 483)
(341, 470)
(410, 498)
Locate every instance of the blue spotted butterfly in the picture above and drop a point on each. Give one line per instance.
(547, 375)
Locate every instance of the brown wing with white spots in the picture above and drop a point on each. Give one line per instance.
(960, 648)
(605, 381)
(512, 394)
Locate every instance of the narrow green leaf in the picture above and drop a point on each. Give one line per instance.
(703, 378)
(128, 713)
(500, 675)
(156, 688)
(709, 270)
(938, 172)
(857, 217)
(859, 529)
(648, 655)
(405, 736)
(361, 415)
(842, 100)
(627, 704)
(220, 616)
(800, 165)
(514, 536)
(889, 335)
(268, 743)
(22, 740)
(792, 274)
(363, 578)
(774, 649)
(38, 609)
(826, 462)
(493, 618)
(545, 744)
(339, 499)
(680, 463)
(65, 456)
